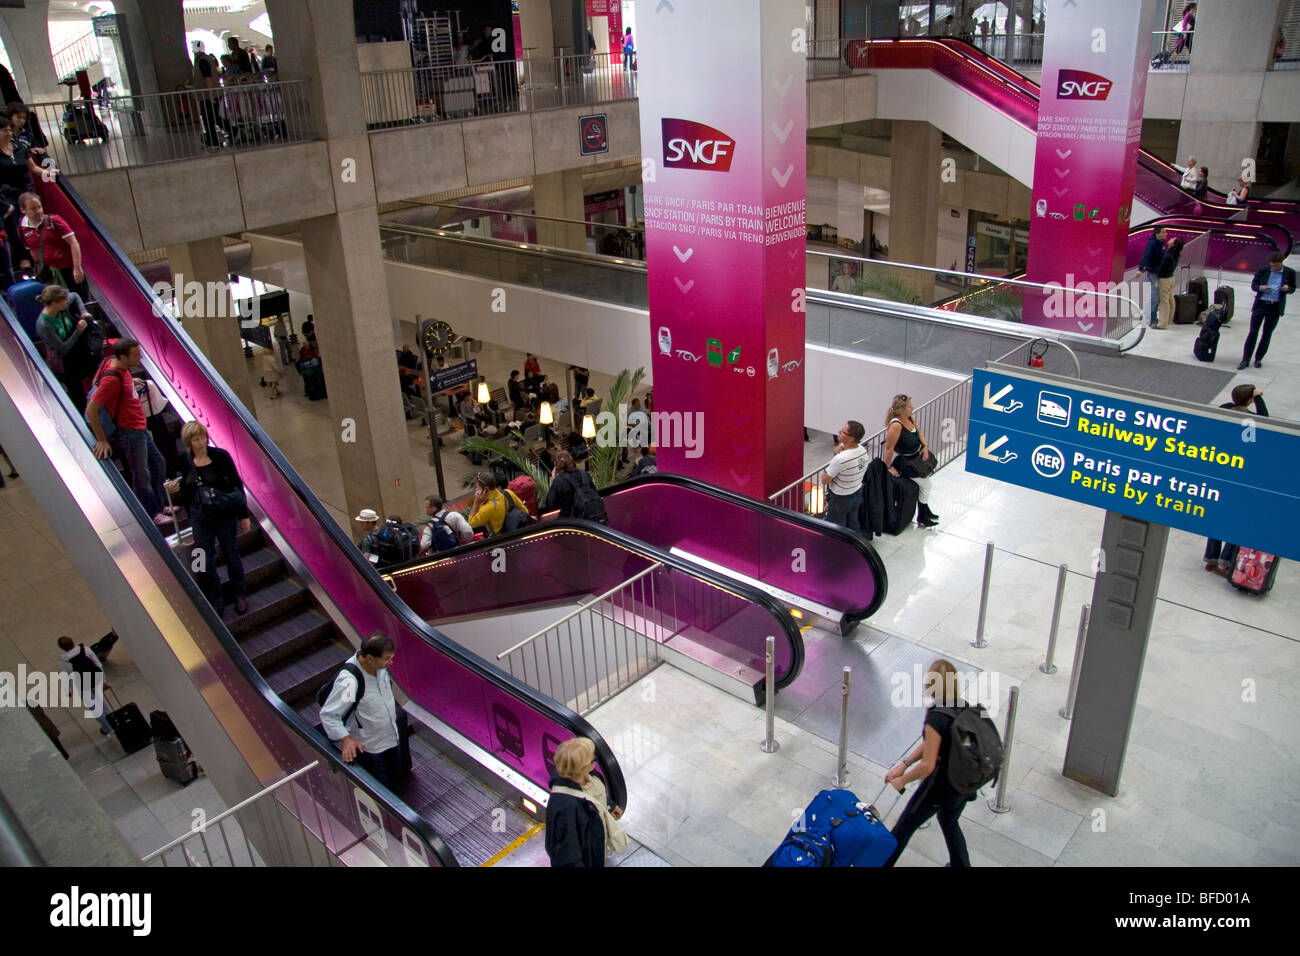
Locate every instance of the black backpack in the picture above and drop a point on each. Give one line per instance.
(396, 542)
(444, 539)
(975, 754)
(516, 517)
(587, 502)
(323, 694)
(81, 662)
(1206, 346)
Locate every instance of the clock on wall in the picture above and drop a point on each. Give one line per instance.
(438, 337)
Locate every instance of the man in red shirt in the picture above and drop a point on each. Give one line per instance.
(52, 243)
(115, 394)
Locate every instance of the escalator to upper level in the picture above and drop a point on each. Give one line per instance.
(312, 596)
(1003, 117)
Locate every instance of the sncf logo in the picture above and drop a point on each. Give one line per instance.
(691, 145)
(1080, 85)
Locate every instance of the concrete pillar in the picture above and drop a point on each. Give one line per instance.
(345, 268)
(1214, 126)
(559, 196)
(158, 32)
(535, 25)
(26, 37)
(915, 154)
(211, 318)
(350, 301)
(568, 26)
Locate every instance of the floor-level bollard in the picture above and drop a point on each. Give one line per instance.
(984, 597)
(1004, 774)
(1068, 710)
(1049, 666)
(842, 767)
(769, 744)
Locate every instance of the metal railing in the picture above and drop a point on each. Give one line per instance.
(615, 240)
(943, 420)
(975, 294)
(622, 628)
(77, 54)
(1171, 50)
(117, 131)
(186, 844)
(436, 94)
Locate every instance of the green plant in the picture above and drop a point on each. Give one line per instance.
(887, 286)
(993, 302)
(498, 448)
(603, 458)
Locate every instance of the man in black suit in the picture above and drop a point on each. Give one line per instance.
(1271, 286)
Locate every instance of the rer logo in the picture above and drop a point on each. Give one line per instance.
(692, 145)
(1054, 408)
(1048, 461)
(1081, 85)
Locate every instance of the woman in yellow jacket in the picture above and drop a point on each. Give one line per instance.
(489, 510)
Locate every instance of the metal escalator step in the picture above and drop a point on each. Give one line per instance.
(260, 567)
(264, 605)
(487, 835)
(285, 637)
(459, 807)
(300, 675)
(432, 777)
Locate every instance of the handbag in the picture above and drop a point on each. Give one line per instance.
(216, 503)
(921, 467)
(615, 835)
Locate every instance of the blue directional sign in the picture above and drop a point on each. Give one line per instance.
(1212, 472)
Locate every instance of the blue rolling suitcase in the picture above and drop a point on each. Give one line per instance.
(836, 829)
(22, 296)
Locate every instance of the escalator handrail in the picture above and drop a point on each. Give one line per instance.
(358, 776)
(1264, 229)
(808, 522)
(652, 553)
(562, 715)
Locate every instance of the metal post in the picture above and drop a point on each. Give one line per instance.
(984, 597)
(1000, 804)
(1068, 710)
(1048, 666)
(842, 768)
(432, 422)
(769, 744)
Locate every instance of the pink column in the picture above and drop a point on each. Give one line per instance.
(723, 133)
(1095, 59)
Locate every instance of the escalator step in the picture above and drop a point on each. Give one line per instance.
(264, 605)
(486, 836)
(459, 807)
(285, 637)
(260, 567)
(300, 675)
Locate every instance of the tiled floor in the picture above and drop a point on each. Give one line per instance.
(1210, 779)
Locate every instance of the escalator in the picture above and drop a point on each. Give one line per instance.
(1011, 99)
(312, 597)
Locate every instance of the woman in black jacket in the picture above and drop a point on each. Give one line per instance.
(580, 824)
(213, 493)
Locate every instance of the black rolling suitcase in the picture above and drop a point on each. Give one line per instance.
(1185, 309)
(1224, 296)
(174, 757)
(129, 726)
(1201, 289)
